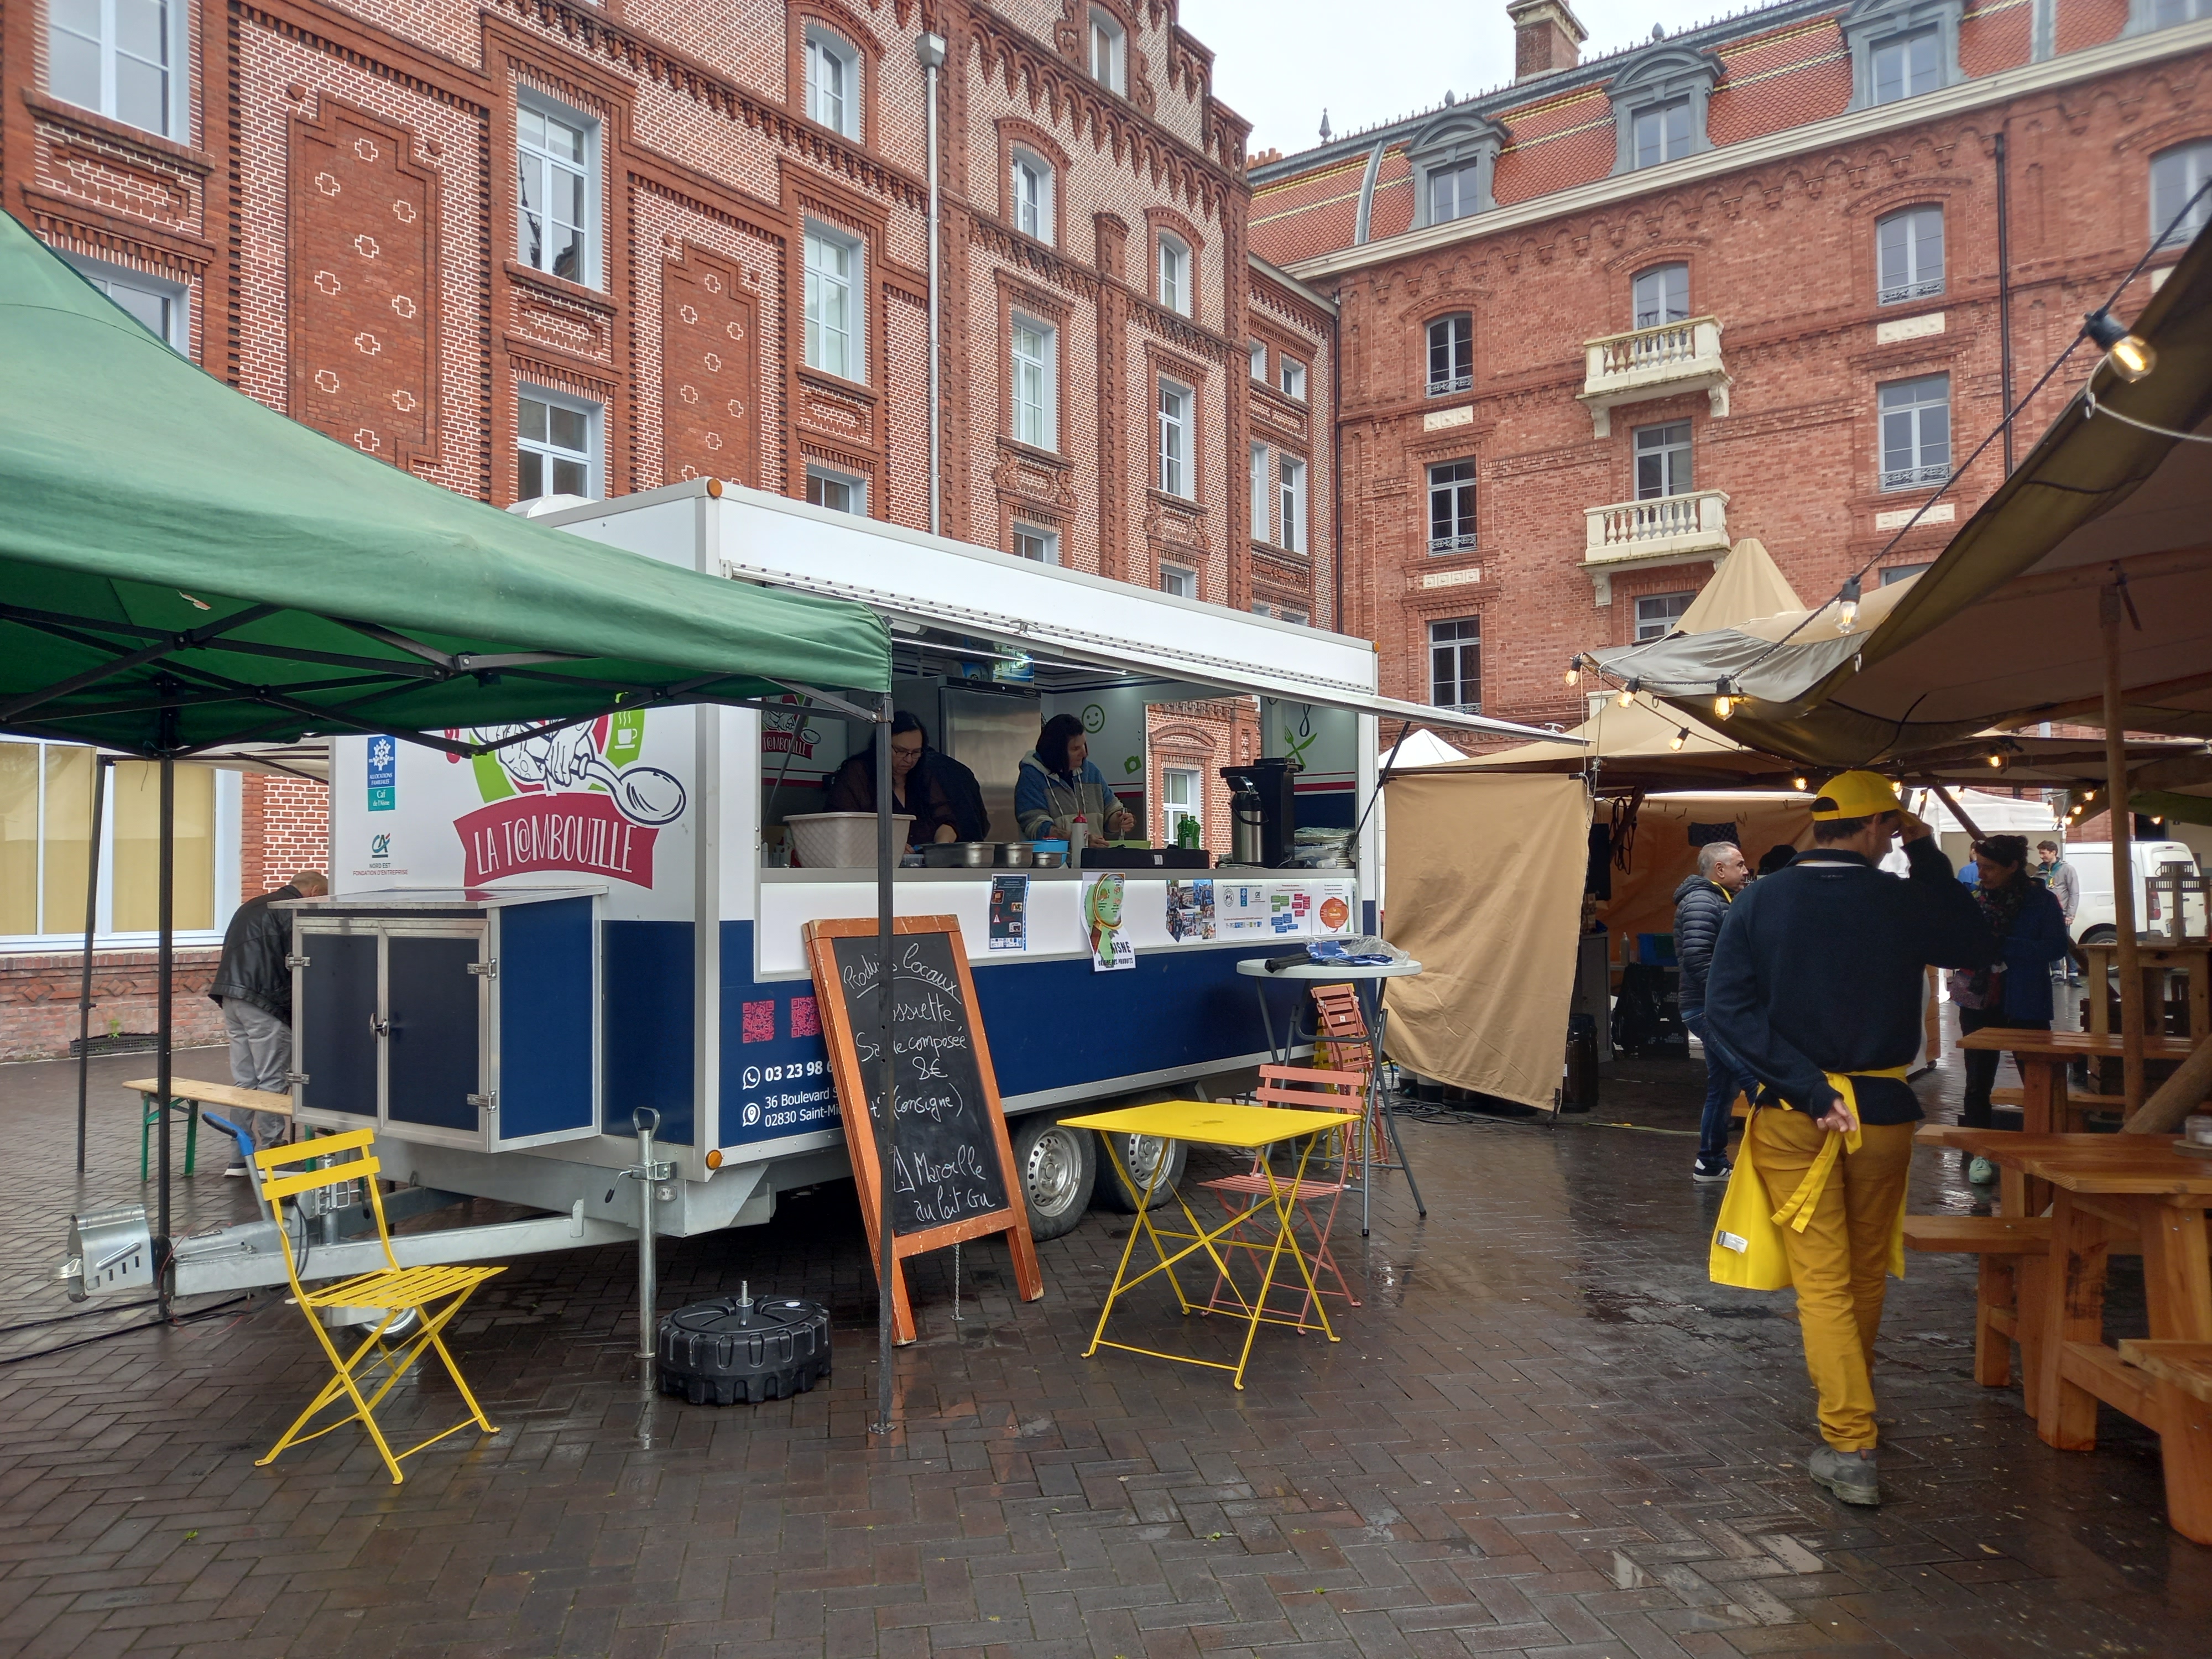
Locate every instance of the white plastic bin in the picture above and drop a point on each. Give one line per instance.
(841, 840)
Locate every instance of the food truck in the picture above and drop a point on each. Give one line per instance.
(522, 949)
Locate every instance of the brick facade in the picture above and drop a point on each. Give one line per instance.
(38, 1000)
(1781, 251)
(283, 829)
(1203, 736)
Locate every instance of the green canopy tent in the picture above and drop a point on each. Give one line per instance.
(182, 569)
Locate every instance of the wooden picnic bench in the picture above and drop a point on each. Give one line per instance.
(188, 1096)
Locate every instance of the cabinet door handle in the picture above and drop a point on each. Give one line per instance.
(379, 1027)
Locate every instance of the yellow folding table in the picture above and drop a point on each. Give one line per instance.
(1242, 1128)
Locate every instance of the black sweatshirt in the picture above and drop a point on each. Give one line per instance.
(1819, 968)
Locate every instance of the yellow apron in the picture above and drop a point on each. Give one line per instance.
(1747, 1249)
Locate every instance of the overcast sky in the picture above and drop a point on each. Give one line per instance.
(1279, 62)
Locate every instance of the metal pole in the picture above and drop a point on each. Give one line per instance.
(645, 1120)
(163, 973)
(2004, 296)
(930, 49)
(886, 862)
(100, 765)
(2124, 873)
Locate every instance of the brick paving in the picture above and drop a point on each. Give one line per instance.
(1545, 1433)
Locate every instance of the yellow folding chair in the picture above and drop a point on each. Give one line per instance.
(396, 1290)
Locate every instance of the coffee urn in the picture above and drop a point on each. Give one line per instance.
(1262, 811)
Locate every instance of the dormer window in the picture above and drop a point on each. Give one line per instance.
(1107, 51)
(1901, 48)
(1659, 106)
(1662, 133)
(1174, 273)
(1031, 196)
(1454, 158)
(833, 81)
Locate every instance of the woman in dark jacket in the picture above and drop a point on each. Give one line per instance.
(924, 783)
(2014, 991)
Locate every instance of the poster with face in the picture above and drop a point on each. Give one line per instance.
(1104, 898)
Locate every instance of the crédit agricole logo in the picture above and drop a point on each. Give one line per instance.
(576, 799)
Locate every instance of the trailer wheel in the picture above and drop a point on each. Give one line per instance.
(1141, 1155)
(1058, 1167)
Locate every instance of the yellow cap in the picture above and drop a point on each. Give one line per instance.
(1856, 795)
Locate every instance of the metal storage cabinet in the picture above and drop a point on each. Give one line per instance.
(459, 1019)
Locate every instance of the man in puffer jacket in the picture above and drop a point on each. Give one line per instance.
(1701, 904)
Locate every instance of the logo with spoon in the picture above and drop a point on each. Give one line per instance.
(575, 799)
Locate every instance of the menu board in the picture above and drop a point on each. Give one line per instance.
(950, 1164)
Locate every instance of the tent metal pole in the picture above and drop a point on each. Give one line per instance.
(2124, 884)
(163, 975)
(886, 1120)
(100, 765)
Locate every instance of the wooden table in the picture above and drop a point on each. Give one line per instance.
(2190, 958)
(2043, 1057)
(1242, 1128)
(2136, 1185)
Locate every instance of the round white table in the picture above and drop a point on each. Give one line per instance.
(1366, 980)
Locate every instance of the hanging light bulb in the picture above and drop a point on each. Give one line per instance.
(1725, 697)
(2130, 356)
(2088, 794)
(1681, 738)
(1628, 692)
(1798, 784)
(1847, 606)
(1997, 759)
(1574, 673)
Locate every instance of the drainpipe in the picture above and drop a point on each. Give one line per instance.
(930, 49)
(2004, 297)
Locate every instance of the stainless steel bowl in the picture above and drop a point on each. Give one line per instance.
(1016, 854)
(1050, 860)
(959, 855)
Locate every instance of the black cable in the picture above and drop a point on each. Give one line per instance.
(89, 1313)
(197, 1314)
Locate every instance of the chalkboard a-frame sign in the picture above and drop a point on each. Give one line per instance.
(952, 1167)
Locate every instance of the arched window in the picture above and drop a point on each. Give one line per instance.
(1661, 295)
(1107, 50)
(1030, 195)
(1175, 273)
(1909, 255)
(1451, 354)
(833, 80)
(2176, 175)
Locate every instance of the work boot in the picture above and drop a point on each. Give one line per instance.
(1849, 1475)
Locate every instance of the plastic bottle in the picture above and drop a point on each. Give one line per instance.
(1079, 832)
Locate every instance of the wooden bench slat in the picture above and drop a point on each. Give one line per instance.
(1981, 1235)
(2187, 1365)
(218, 1095)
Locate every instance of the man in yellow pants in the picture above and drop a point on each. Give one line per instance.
(1815, 986)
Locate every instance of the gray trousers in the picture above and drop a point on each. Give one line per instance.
(260, 1055)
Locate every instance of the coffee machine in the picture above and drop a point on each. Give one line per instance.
(1262, 811)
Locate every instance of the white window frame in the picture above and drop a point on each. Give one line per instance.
(1456, 345)
(1914, 280)
(1172, 263)
(824, 47)
(1260, 523)
(1457, 645)
(1258, 352)
(1108, 67)
(1659, 113)
(1454, 540)
(1657, 440)
(850, 287)
(1454, 190)
(2193, 161)
(829, 476)
(1046, 542)
(1923, 473)
(550, 453)
(1193, 806)
(1291, 472)
(176, 42)
(1029, 185)
(588, 267)
(1034, 395)
(1655, 625)
(106, 277)
(1293, 379)
(1180, 580)
(1871, 27)
(1178, 467)
(1904, 41)
(1647, 295)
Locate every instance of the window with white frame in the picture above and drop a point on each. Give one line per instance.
(1451, 507)
(833, 80)
(1455, 192)
(122, 58)
(1293, 474)
(1909, 247)
(840, 492)
(1258, 351)
(1294, 378)
(1656, 613)
(1175, 273)
(1915, 432)
(47, 850)
(556, 445)
(1660, 295)
(1260, 525)
(1181, 792)
(833, 342)
(2176, 175)
(1108, 49)
(1032, 542)
(156, 306)
(1031, 189)
(1175, 440)
(1180, 582)
(1901, 49)
(1662, 460)
(1291, 613)
(1903, 573)
(1906, 65)
(1451, 354)
(1455, 664)
(1036, 399)
(1663, 132)
(556, 216)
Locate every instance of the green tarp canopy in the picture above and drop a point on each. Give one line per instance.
(181, 568)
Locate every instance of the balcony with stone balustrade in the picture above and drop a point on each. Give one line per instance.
(1661, 361)
(1662, 530)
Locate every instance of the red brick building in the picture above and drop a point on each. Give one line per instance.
(1752, 280)
(524, 248)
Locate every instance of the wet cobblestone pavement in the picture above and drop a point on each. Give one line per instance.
(1544, 1432)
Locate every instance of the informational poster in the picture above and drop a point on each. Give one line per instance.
(1190, 909)
(1241, 907)
(1334, 909)
(1290, 912)
(1103, 899)
(1009, 913)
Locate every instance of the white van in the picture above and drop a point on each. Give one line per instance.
(2093, 866)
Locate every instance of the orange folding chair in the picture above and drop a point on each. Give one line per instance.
(1315, 1202)
(433, 1294)
(1340, 1034)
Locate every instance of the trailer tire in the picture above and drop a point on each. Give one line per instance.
(1141, 1155)
(1058, 1168)
(733, 1351)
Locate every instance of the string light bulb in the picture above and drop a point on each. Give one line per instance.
(1847, 606)
(1724, 697)
(1997, 759)
(1680, 738)
(1574, 673)
(1798, 784)
(2132, 356)
(1628, 692)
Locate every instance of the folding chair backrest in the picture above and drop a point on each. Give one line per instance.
(277, 1185)
(1304, 1089)
(1338, 1015)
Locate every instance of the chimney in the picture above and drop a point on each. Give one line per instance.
(1546, 36)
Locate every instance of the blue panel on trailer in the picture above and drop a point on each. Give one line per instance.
(775, 1068)
(1058, 1022)
(545, 1017)
(645, 1058)
(433, 1053)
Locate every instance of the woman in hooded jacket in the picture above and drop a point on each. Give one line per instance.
(1058, 780)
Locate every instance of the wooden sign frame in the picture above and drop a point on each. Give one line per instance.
(839, 1032)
